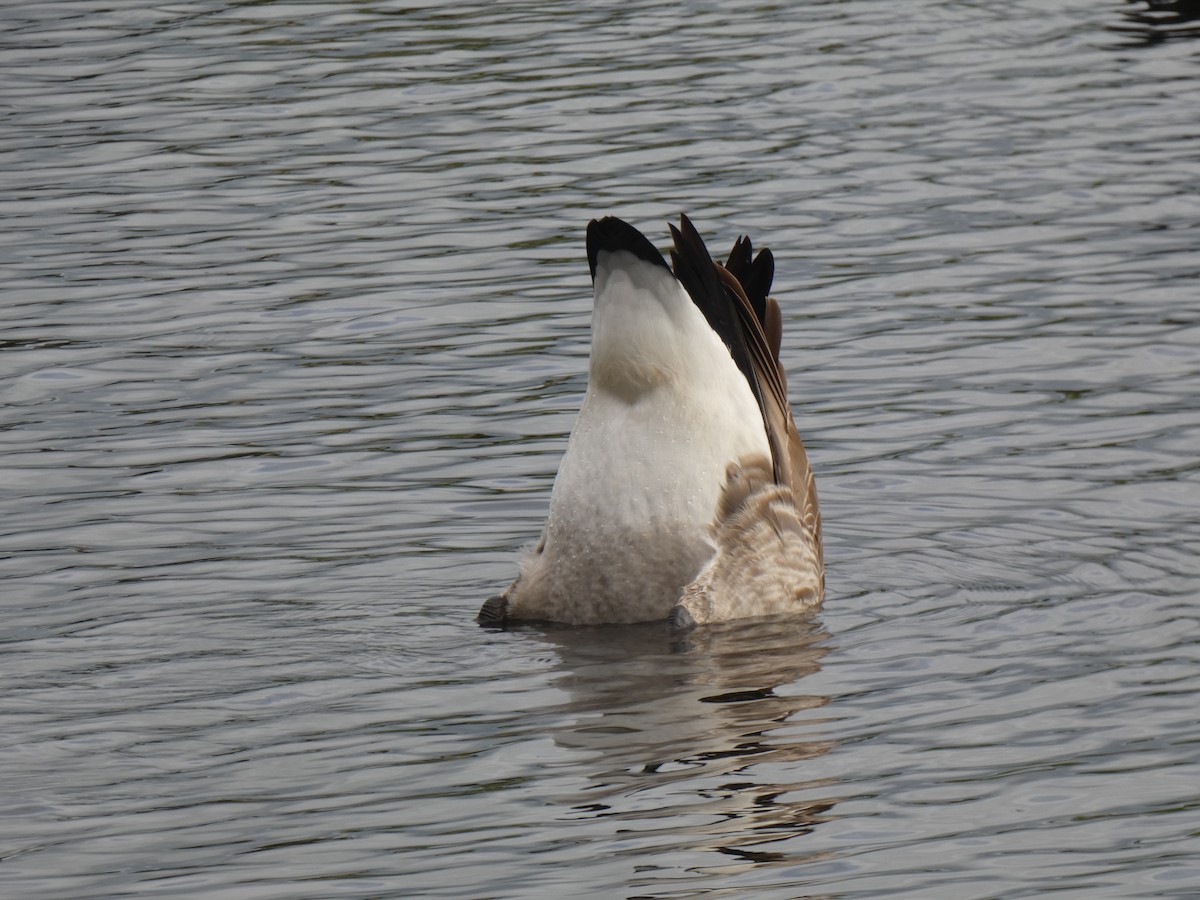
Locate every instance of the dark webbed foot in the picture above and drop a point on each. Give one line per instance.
(680, 619)
(494, 613)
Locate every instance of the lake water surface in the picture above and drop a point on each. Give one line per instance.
(294, 324)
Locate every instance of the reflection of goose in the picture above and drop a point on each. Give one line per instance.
(1156, 21)
(685, 488)
(706, 740)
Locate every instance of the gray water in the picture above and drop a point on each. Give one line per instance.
(294, 325)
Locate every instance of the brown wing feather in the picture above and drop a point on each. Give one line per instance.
(765, 343)
(775, 411)
(762, 333)
(773, 329)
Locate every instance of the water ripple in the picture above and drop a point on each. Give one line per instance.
(294, 329)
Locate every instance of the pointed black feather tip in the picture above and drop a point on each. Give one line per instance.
(695, 270)
(739, 260)
(757, 283)
(611, 234)
(754, 272)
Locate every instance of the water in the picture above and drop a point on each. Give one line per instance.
(294, 325)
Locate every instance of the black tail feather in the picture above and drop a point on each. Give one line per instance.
(611, 234)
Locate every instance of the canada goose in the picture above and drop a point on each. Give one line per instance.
(685, 492)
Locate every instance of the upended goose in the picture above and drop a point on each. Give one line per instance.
(685, 493)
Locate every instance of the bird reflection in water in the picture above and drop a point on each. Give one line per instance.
(699, 739)
(1149, 22)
